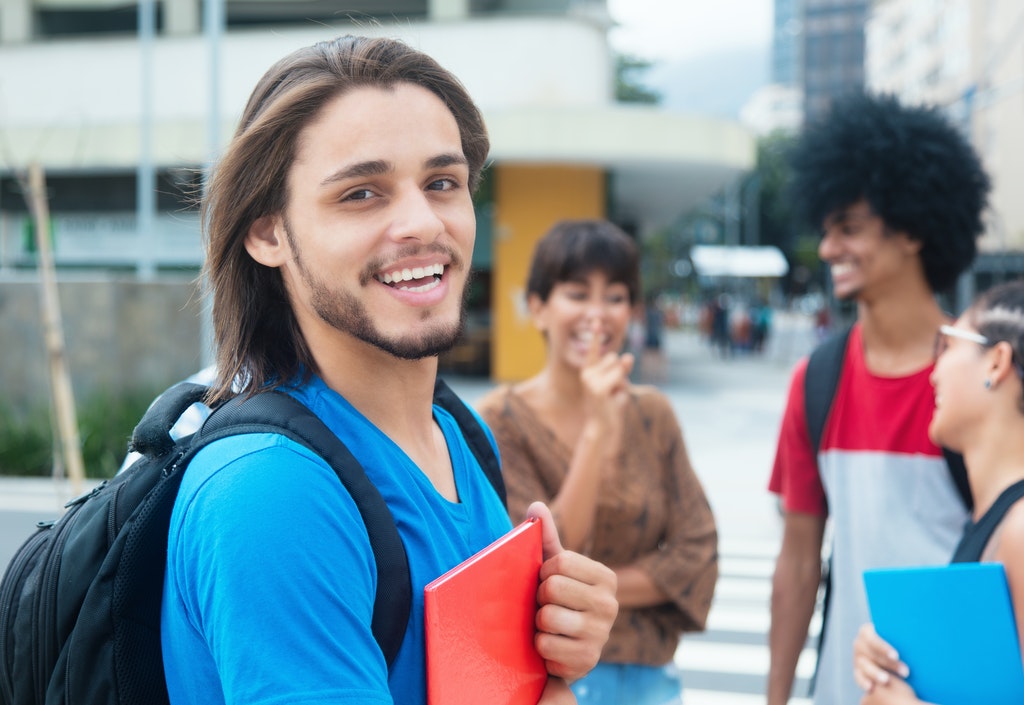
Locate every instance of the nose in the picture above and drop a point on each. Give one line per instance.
(827, 248)
(415, 217)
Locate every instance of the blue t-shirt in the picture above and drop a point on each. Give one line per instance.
(270, 577)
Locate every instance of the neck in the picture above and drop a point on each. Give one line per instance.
(396, 395)
(899, 330)
(563, 383)
(994, 460)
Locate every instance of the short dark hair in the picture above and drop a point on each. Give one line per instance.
(259, 343)
(912, 166)
(572, 249)
(998, 314)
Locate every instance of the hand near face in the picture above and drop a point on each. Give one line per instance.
(606, 383)
(577, 605)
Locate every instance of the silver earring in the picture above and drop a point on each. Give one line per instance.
(988, 384)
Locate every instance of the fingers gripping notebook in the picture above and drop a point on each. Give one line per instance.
(480, 625)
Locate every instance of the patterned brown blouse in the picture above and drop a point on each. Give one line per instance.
(652, 513)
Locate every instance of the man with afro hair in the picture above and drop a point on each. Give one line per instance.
(898, 194)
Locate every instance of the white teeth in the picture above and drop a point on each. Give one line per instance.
(426, 287)
(404, 275)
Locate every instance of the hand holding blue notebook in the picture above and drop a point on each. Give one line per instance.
(954, 627)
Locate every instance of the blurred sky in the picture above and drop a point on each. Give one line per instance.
(708, 56)
(673, 30)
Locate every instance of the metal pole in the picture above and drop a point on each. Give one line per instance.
(145, 181)
(213, 27)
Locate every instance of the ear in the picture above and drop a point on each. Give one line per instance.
(537, 308)
(911, 245)
(266, 242)
(1000, 362)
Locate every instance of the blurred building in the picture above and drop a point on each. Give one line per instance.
(968, 56)
(833, 51)
(125, 113)
(779, 105)
(787, 43)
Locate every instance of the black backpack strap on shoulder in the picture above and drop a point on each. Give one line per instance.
(151, 436)
(473, 432)
(821, 380)
(277, 412)
(958, 473)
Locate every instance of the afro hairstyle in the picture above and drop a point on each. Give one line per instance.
(913, 167)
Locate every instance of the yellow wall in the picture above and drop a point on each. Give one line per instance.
(527, 201)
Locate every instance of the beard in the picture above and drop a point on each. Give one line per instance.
(345, 312)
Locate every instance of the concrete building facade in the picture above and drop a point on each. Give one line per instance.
(108, 101)
(967, 56)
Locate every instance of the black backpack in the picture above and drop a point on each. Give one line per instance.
(80, 600)
(821, 380)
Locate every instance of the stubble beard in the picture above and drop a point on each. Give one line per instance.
(345, 312)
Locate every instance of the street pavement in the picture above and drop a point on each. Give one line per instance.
(729, 410)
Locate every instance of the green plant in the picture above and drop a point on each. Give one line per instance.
(105, 424)
(26, 445)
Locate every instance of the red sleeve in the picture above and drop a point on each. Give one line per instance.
(795, 474)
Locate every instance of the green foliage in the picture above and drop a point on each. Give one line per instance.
(629, 71)
(25, 443)
(105, 424)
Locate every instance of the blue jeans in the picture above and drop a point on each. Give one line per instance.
(630, 684)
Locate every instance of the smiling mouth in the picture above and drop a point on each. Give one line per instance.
(414, 279)
(839, 270)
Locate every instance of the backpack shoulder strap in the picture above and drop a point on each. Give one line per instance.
(820, 383)
(473, 432)
(958, 472)
(277, 412)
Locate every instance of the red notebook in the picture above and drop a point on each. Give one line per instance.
(480, 625)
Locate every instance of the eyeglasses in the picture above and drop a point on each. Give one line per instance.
(946, 332)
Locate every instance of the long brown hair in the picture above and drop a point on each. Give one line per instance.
(258, 340)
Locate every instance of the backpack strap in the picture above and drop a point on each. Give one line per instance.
(476, 437)
(820, 383)
(277, 412)
(958, 471)
(151, 436)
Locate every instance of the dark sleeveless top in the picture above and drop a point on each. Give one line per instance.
(977, 534)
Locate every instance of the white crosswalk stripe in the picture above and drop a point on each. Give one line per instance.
(728, 664)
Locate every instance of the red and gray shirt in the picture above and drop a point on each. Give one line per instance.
(884, 486)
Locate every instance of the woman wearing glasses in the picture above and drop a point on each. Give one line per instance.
(979, 412)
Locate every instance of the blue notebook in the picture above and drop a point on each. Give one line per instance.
(954, 627)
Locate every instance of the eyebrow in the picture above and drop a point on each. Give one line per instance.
(359, 170)
(378, 167)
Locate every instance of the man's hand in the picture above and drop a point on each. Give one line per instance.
(577, 605)
(556, 692)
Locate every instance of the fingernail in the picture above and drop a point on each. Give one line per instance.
(904, 670)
